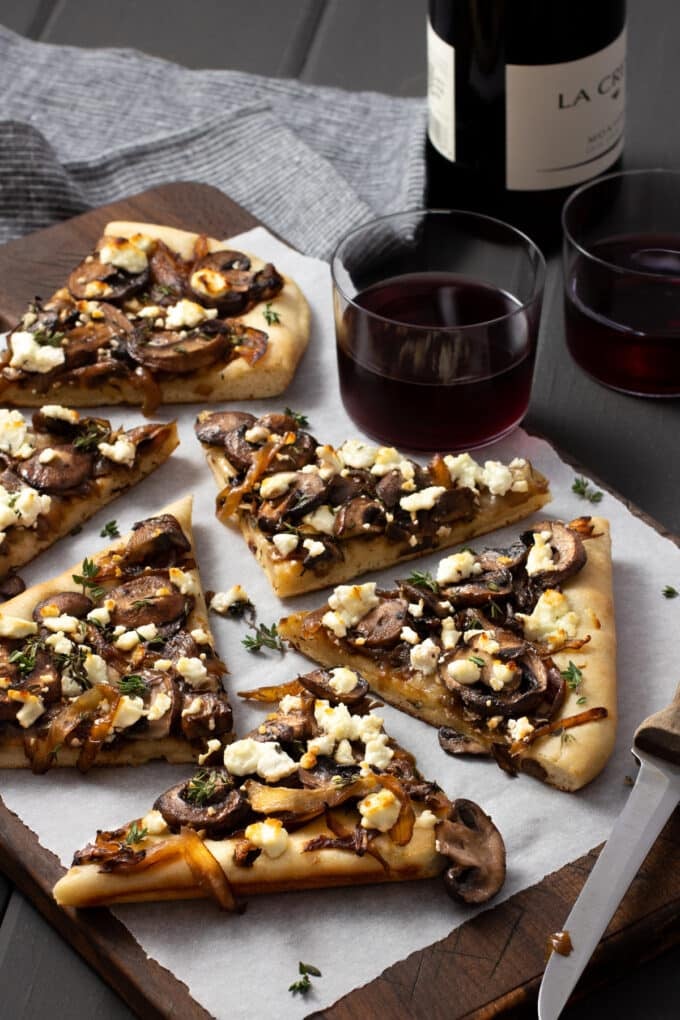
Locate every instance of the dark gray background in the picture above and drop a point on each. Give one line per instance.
(630, 443)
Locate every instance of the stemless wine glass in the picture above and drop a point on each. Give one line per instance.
(622, 280)
(437, 317)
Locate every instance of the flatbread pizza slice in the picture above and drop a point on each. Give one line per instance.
(112, 662)
(155, 315)
(58, 469)
(511, 652)
(318, 795)
(316, 515)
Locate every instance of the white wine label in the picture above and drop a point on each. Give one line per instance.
(441, 126)
(564, 122)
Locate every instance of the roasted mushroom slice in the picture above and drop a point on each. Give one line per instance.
(327, 773)
(459, 743)
(556, 552)
(360, 517)
(484, 686)
(167, 275)
(475, 847)
(294, 456)
(213, 427)
(222, 280)
(267, 283)
(208, 801)
(206, 715)
(381, 627)
(339, 685)
(503, 559)
(11, 586)
(95, 280)
(65, 603)
(62, 470)
(453, 505)
(169, 351)
(164, 704)
(157, 541)
(485, 587)
(304, 495)
(148, 599)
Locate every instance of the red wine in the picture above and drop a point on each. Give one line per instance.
(624, 327)
(526, 100)
(436, 361)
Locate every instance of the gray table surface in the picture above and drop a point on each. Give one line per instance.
(630, 443)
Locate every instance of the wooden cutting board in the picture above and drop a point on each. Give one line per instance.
(491, 965)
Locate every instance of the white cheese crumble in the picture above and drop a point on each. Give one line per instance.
(501, 674)
(322, 519)
(552, 620)
(22, 507)
(193, 671)
(123, 253)
(425, 820)
(348, 604)
(330, 464)
(285, 543)
(187, 314)
(248, 756)
(313, 547)
(269, 835)
(96, 669)
(159, 707)
(342, 679)
(449, 635)
(290, 703)
(464, 671)
(99, 615)
(122, 451)
(379, 810)
(60, 643)
(154, 823)
(423, 657)
(425, 499)
(60, 413)
(32, 708)
(540, 555)
(128, 712)
(33, 357)
(148, 631)
(47, 455)
(457, 567)
(222, 601)
(275, 485)
(128, 640)
(257, 434)
(211, 747)
(464, 470)
(14, 627)
(415, 609)
(200, 636)
(68, 624)
(409, 635)
(357, 454)
(162, 664)
(13, 431)
(344, 755)
(187, 582)
(519, 728)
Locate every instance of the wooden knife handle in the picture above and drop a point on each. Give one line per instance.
(660, 733)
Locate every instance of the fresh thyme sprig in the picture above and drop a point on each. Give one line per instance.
(301, 420)
(90, 571)
(581, 487)
(423, 579)
(669, 592)
(133, 684)
(264, 637)
(270, 316)
(110, 530)
(135, 834)
(201, 787)
(302, 986)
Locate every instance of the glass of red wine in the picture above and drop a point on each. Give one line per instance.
(622, 280)
(436, 317)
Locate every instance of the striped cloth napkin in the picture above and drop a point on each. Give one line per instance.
(80, 128)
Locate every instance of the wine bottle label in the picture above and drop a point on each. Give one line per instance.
(441, 126)
(564, 122)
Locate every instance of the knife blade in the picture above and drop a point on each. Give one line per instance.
(651, 801)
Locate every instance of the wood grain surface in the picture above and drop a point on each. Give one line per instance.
(490, 965)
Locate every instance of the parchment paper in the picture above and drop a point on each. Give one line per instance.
(241, 966)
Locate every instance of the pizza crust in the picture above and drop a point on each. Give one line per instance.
(362, 555)
(86, 886)
(569, 764)
(128, 752)
(236, 381)
(22, 544)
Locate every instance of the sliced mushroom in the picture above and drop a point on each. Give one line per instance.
(68, 469)
(569, 554)
(94, 280)
(222, 280)
(167, 275)
(327, 772)
(382, 626)
(11, 586)
(213, 427)
(486, 587)
(223, 810)
(277, 422)
(44, 680)
(167, 351)
(458, 743)
(209, 715)
(319, 683)
(267, 283)
(156, 541)
(360, 517)
(65, 603)
(454, 505)
(85, 341)
(389, 488)
(304, 495)
(472, 842)
(148, 599)
(294, 456)
(343, 488)
(433, 604)
(162, 689)
(503, 559)
(526, 693)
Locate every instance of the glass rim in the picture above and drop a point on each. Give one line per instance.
(537, 286)
(569, 237)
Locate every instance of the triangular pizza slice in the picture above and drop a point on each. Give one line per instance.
(112, 662)
(152, 315)
(512, 652)
(317, 515)
(317, 795)
(58, 469)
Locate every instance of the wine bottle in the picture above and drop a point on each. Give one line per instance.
(526, 100)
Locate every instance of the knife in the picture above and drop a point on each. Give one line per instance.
(656, 792)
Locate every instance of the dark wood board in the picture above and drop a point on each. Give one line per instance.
(489, 966)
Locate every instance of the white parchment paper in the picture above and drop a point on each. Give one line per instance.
(241, 966)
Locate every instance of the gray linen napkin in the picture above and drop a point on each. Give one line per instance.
(80, 128)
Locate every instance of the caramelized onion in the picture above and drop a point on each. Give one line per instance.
(42, 750)
(590, 715)
(307, 802)
(206, 871)
(229, 498)
(272, 694)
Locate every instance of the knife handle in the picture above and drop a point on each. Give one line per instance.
(660, 733)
